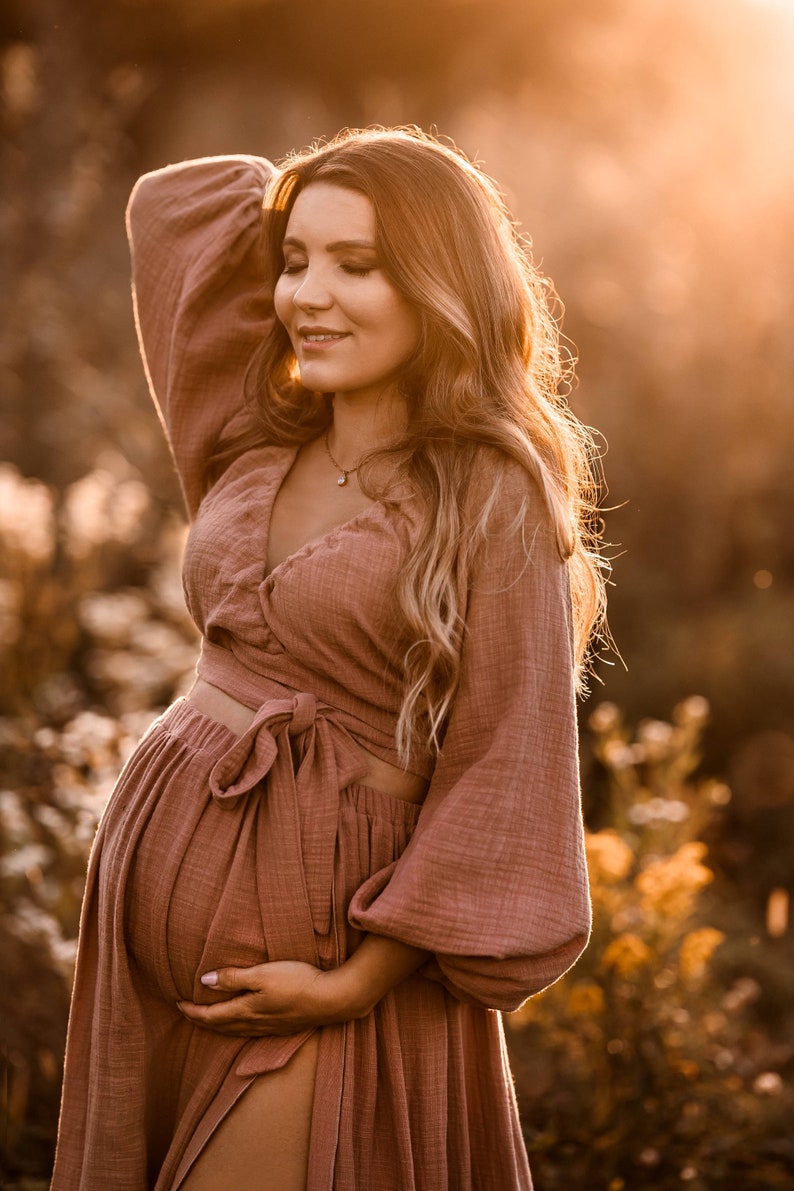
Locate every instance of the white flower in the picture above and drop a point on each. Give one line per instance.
(26, 515)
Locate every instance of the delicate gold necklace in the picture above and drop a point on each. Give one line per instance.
(344, 472)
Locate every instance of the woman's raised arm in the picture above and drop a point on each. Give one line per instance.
(201, 306)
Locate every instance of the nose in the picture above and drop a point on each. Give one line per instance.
(312, 293)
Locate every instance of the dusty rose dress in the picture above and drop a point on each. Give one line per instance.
(216, 850)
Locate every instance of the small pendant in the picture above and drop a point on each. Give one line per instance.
(342, 479)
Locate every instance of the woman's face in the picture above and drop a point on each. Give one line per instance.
(351, 330)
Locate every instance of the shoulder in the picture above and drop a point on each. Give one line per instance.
(503, 496)
(512, 542)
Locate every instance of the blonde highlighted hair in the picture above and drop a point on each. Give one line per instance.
(488, 369)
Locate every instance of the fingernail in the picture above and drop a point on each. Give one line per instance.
(210, 979)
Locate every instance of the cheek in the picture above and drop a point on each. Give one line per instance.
(282, 300)
(398, 322)
(407, 329)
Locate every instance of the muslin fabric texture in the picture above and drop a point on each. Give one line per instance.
(217, 850)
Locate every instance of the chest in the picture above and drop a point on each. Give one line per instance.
(312, 590)
(307, 506)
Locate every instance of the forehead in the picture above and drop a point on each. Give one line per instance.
(324, 211)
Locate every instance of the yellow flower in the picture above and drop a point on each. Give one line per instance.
(609, 858)
(627, 954)
(668, 886)
(585, 999)
(696, 951)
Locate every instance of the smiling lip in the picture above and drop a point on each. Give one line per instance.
(319, 338)
(305, 332)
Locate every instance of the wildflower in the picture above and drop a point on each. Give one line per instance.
(609, 858)
(656, 736)
(669, 810)
(26, 516)
(605, 718)
(586, 999)
(696, 951)
(111, 615)
(619, 755)
(23, 860)
(88, 737)
(718, 793)
(99, 508)
(668, 886)
(744, 991)
(692, 712)
(14, 822)
(650, 1157)
(627, 954)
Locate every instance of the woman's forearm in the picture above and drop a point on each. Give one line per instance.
(373, 969)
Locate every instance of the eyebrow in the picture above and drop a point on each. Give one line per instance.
(337, 246)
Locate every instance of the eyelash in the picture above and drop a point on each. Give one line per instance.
(351, 270)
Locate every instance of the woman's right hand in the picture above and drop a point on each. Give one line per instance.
(286, 996)
(281, 997)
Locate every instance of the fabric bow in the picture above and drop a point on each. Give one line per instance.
(307, 757)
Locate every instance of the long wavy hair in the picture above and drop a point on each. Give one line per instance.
(488, 369)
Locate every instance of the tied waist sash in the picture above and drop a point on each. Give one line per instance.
(299, 757)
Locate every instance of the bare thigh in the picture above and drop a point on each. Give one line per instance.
(263, 1143)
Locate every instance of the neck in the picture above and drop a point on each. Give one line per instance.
(360, 426)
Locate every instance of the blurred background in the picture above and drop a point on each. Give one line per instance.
(647, 147)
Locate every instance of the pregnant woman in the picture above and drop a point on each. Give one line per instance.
(360, 833)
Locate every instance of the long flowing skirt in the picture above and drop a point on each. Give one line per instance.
(415, 1097)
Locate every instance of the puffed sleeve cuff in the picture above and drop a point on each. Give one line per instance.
(492, 979)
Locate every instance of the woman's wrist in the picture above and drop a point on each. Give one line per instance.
(375, 968)
(343, 995)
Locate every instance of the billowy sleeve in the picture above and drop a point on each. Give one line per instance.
(494, 880)
(201, 305)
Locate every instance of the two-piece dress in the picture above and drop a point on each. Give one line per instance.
(217, 850)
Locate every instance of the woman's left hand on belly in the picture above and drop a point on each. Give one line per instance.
(281, 997)
(286, 996)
